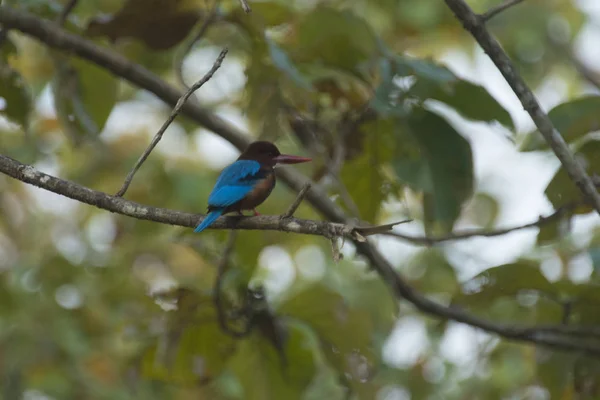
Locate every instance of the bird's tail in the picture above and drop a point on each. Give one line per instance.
(210, 218)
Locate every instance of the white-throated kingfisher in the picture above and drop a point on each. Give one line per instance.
(247, 182)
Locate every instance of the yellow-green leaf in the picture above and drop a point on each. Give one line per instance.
(442, 168)
(15, 99)
(573, 119)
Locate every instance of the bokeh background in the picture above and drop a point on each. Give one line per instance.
(95, 305)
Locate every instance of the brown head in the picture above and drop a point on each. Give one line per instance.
(266, 153)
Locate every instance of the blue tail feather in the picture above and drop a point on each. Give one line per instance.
(210, 218)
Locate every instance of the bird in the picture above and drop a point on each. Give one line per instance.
(247, 182)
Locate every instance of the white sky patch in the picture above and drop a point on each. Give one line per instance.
(213, 150)
(226, 82)
(101, 230)
(407, 342)
(276, 267)
(580, 268)
(310, 262)
(68, 297)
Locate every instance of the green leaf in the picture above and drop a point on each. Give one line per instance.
(345, 330)
(329, 314)
(84, 96)
(363, 176)
(438, 275)
(436, 82)
(349, 39)
(160, 25)
(423, 69)
(561, 190)
(503, 281)
(284, 64)
(259, 369)
(193, 348)
(573, 119)
(468, 99)
(555, 372)
(16, 100)
(199, 354)
(273, 13)
(442, 167)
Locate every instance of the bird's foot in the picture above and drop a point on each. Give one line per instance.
(256, 213)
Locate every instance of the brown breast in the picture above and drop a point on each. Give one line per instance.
(258, 195)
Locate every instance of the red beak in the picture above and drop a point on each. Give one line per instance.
(288, 159)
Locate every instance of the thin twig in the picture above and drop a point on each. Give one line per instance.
(217, 292)
(466, 234)
(294, 206)
(169, 120)
(62, 18)
(179, 59)
(245, 6)
(492, 12)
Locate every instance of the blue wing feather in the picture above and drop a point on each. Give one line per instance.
(234, 183)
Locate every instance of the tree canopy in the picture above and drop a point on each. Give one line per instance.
(396, 265)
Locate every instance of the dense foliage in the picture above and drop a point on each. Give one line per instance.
(96, 305)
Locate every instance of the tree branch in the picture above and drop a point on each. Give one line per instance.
(245, 6)
(294, 206)
(57, 38)
(475, 24)
(430, 241)
(67, 9)
(492, 12)
(72, 190)
(169, 120)
(180, 56)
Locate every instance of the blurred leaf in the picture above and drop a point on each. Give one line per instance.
(258, 366)
(349, 39)
(273, 13)
(470, 100)
(503, 281)
(573, 119)
(552, 231)
(438, 275)
(561, 190)
(199, 354)
(436, 82)
(160, 24)
(443, 170)
(363, 176)
(84, 96)
(555, 371)
(331, 317)
(345, 332)
(423, 69)
(15, 99)
(193, 348)
(283, 63)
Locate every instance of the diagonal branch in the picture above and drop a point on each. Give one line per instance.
(180, 56)
(475, 24)
(169, 120)
(245, 6)
(57, 38)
